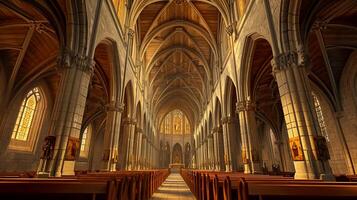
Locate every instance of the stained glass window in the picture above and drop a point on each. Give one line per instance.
(175, 122)
(320, 117)
(85, 141)
(26, 114)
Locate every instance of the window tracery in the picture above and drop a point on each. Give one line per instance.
(176, 123)
(320, 117)
(26, 115)
(85, 141)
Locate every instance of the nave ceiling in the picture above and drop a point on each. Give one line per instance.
(178, 44)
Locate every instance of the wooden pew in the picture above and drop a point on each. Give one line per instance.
(294, 190)
(121, 185)
(17, 189)
(223, 185)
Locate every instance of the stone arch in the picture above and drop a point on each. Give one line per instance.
(348, 118)
(13, 150)
(233, 129)
(339, 159)
(177, 154)
(129, 99)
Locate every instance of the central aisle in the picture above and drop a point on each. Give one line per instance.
(174, 187)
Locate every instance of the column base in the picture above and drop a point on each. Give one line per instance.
(228, 168)
(68, 168)
(247, 169)
(302, 172)
(256, 168)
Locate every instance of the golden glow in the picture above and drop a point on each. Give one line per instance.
(119, 6)
(320, 117)
(176, 123)
(85, 141)
(26, 114)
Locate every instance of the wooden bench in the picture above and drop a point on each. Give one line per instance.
(121, 185)
(223, 185)
(294, 190)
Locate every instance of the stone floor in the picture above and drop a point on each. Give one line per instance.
(174, 187)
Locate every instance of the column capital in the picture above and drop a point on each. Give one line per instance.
(245, 105)
(131, 33)
(139, 130)
(114, 106)
(129, 120)
(319, 24)
(296, 58)
(230, 29)
(228, 120)
(217, 129)
(71, 59)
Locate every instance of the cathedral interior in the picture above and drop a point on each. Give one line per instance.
(118, 99)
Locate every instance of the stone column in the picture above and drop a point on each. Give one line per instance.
(249, 137)
(291, 75)
(221, 148)
(216, 149)
(126, 147)
(201, 155)
(210, 152)
(227, 145)
(234, 142)
(143, 149)
(130, 155)
(76, 71)
(139, 133)
(206, 153)
(111, 139)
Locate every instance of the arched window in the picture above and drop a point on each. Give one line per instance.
(320, 117)
(175, 122)
(28, 121)
(85, 141)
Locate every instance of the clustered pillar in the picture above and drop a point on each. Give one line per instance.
(290, 70)
(76, 72)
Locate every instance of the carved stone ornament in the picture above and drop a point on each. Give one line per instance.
(115, 106)
(297, 58)
(69, 59)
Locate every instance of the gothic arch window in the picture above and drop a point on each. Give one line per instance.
(320, 117)
(176, 123)
(87, 133)
(28, 121)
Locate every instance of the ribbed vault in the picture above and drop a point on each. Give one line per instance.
(178, 47)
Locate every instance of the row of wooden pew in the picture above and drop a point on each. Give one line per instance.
(120, 185)
(209, 185)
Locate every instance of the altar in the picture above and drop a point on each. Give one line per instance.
(176, 167)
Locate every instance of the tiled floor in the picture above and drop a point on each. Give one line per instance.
(174, 187)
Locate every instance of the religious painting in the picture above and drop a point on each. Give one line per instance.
(322, 149)
(295, 148)
(177, 154)
(72, 147)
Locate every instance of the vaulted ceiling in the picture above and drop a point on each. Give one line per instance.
(178, 46)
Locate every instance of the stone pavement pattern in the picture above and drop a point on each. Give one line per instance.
(174, 187)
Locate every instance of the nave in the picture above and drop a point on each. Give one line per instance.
(102, 99)
(174, 187)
